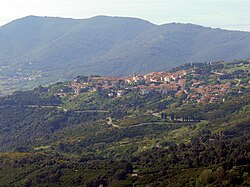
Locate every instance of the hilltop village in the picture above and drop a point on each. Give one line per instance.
(131, 131)
(202, 83)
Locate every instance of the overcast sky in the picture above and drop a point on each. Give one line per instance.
(229, 14)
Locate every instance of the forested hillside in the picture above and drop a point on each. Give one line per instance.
(43, 50)
(186, 127)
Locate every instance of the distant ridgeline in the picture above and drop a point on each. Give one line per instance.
(43, 50)
(186, 127)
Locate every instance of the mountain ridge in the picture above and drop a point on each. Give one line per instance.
(52, 48)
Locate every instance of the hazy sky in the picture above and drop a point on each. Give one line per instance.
(229, 14)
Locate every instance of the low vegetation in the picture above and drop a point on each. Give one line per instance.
(94, 139)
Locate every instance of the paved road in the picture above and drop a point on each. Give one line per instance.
(110, 122)
(64, 109)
